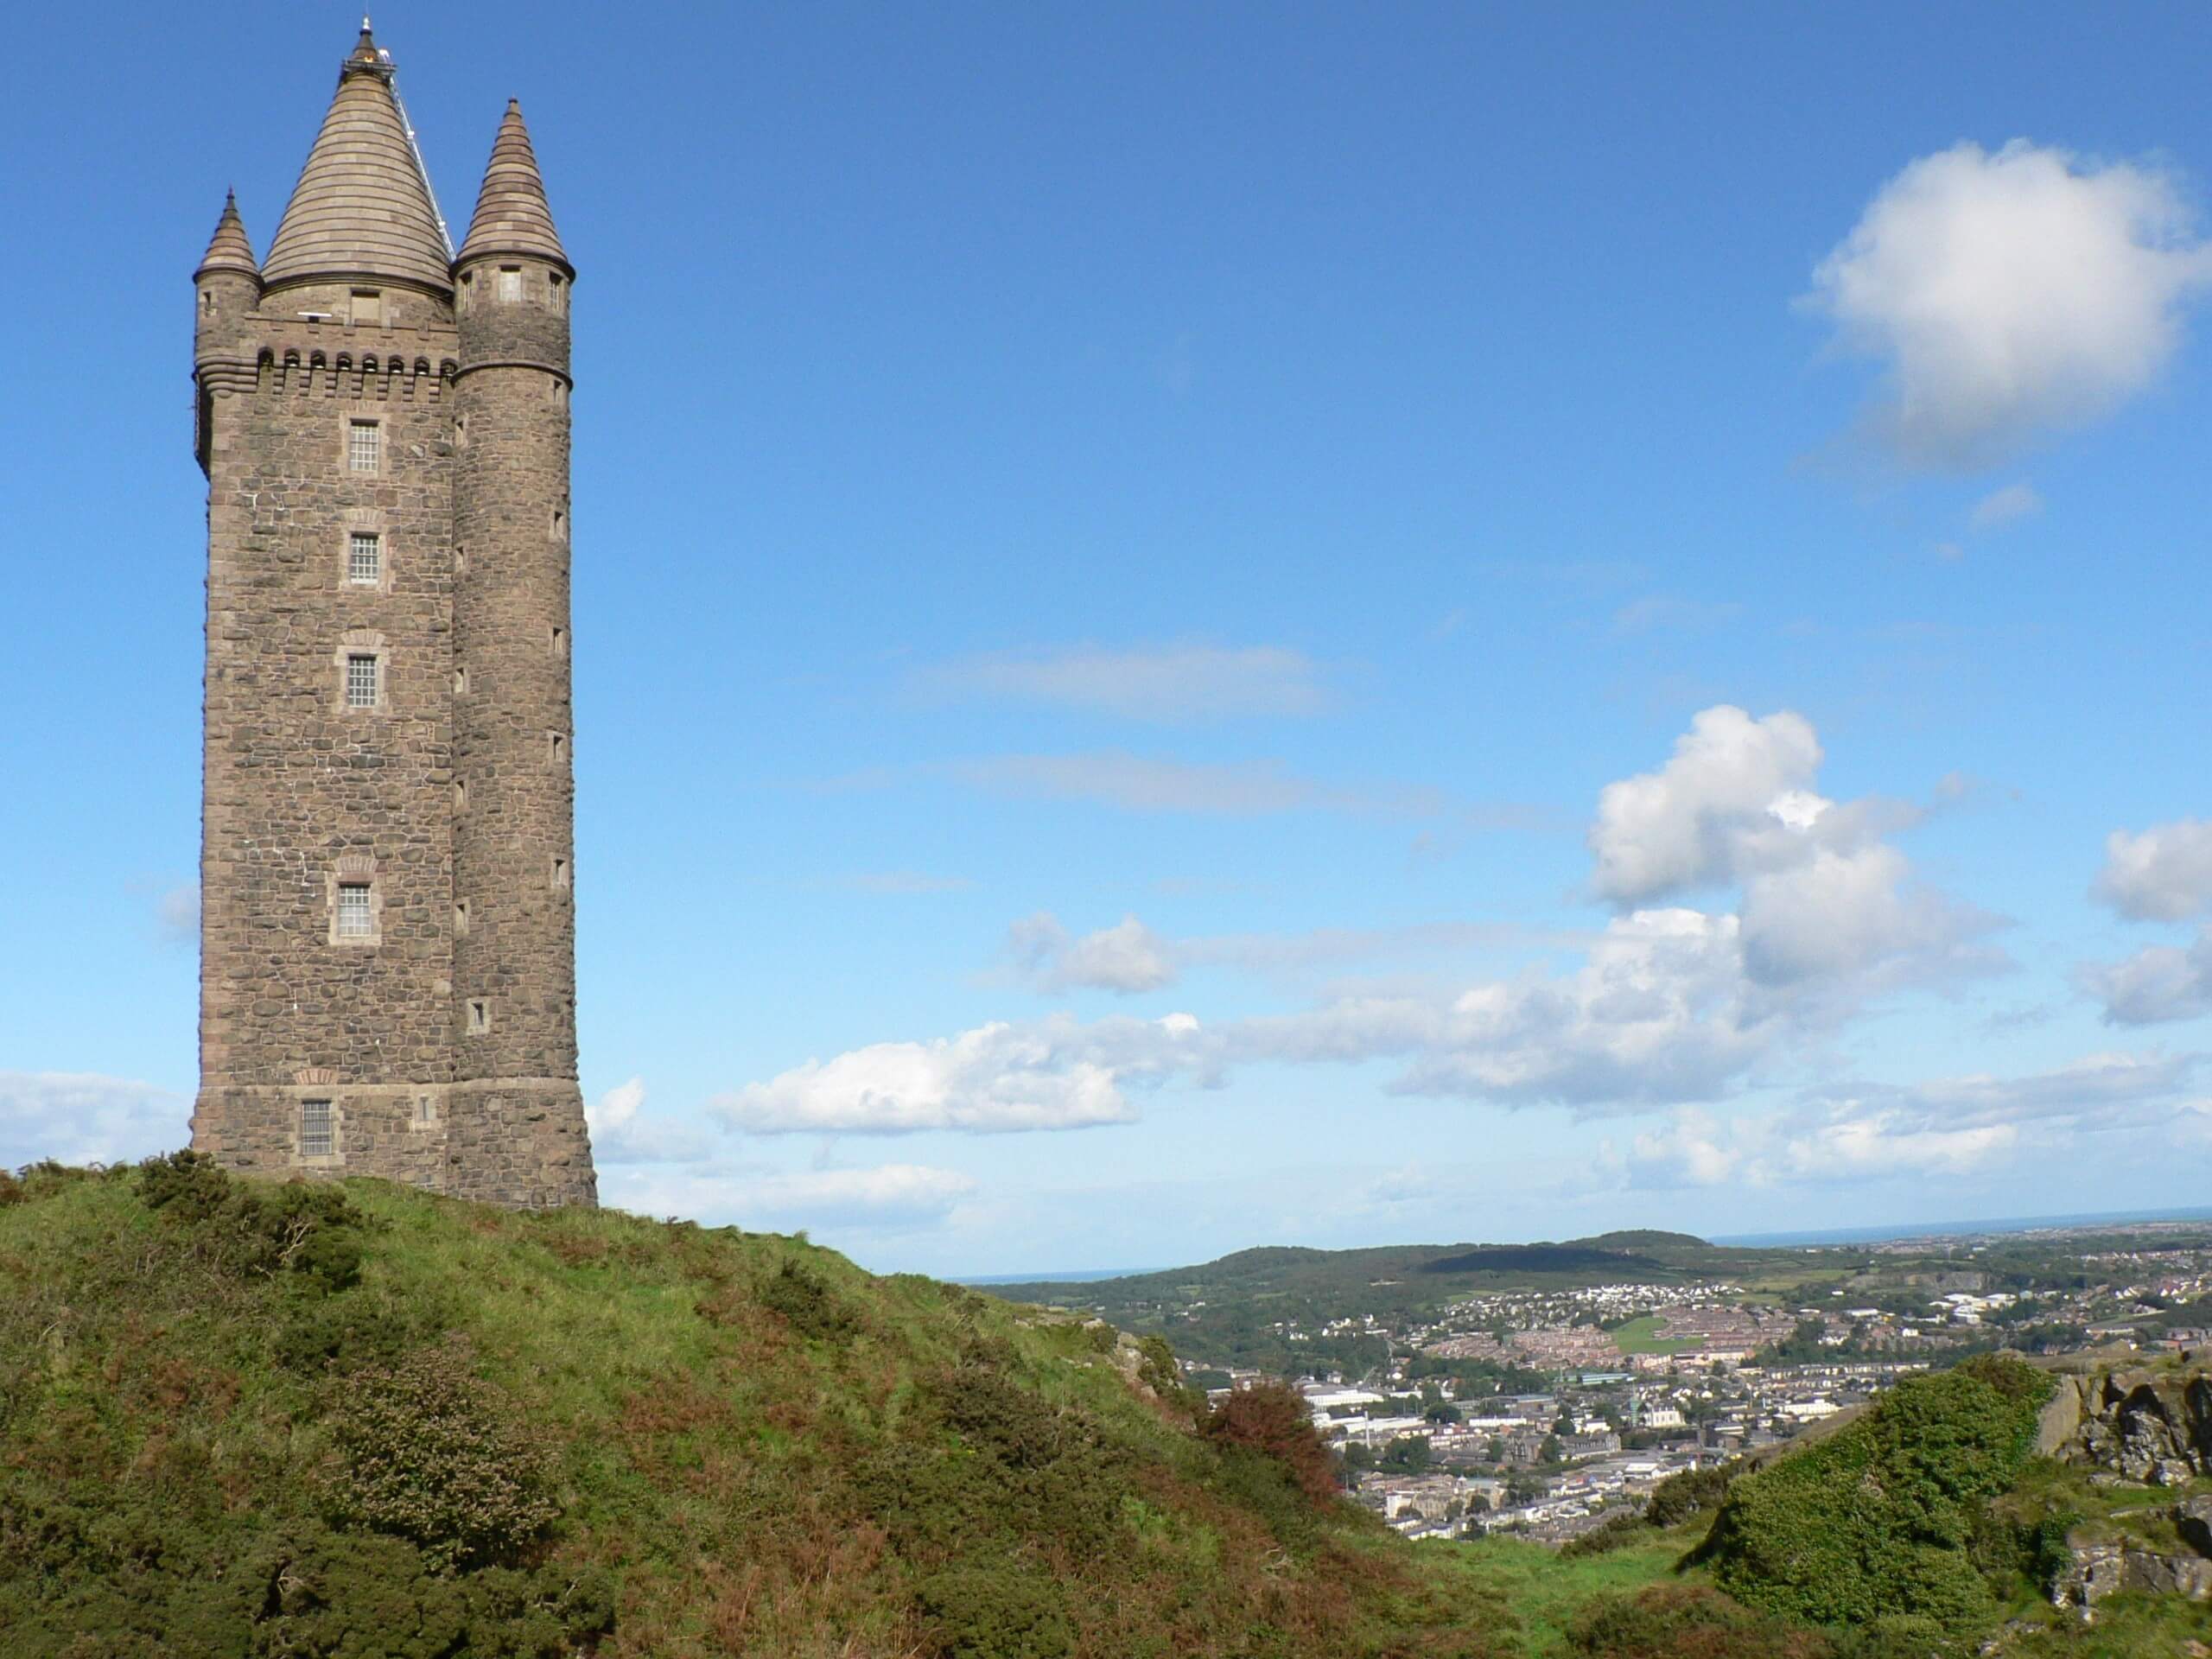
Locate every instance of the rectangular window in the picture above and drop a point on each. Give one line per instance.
(560, 875)
(318, 1134)
(364, 558)
(461, 917)
(426, 1109)
(360, 682)
(510, 282)
(364, 446)
(368, 305)
(560, 642)
(354, 909)
(480, 1016)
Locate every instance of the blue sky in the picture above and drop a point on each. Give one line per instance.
(1199, 627)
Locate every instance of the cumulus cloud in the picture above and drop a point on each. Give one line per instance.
(2005, 507)
(1127, 957)
(621, 1134)
(1951, 1125)
(81, 1118)
(1735, 794)
(996, 1078)
(1668, 1004)
(2165, 874)
(2009, 294)
(1170, 685)
(2155, 985)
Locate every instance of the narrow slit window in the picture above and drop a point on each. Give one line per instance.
(318, 1132)
(461, 916)
(461, 682)
(361, 678)
(479, 1016)
(354, 919)
(460, 561)
(560, 875)
(426, 1109)
(560, 642)
(510, 282)
(459, 795)
(364, 558)
(560, 524)
(364, 446)
(558, 747)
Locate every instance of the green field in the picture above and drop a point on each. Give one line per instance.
(1640, 1336)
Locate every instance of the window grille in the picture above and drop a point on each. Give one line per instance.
(354, 909)
(318, 1134)
(360, 682)
(364, 558)
(364, 447)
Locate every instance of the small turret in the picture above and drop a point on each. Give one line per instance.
(511, 278)
(226, 289)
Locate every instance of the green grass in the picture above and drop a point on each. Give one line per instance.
(1641, 1335)
(1545, 1591)
(750, 1446)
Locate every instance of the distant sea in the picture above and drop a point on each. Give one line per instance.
(1943, 1229)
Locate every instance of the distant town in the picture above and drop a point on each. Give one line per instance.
(1541, 1408)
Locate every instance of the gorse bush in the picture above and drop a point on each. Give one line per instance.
(304, 1228)
(1687, 1622)
(1889, 1517)
(428, 1453)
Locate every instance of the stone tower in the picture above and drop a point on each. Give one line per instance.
(387, 979)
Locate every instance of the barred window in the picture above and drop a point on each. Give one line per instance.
(361, 681)
(354, 909)
(364, 446)
(317, 1133)
(364, 558)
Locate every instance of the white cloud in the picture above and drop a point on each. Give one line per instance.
(1668, 1004)
(2009, 295)
(1128, 957)
(2155, 985)
(2165, 874)
(1140, 784)
(996, 1077)
(889, 1197)
(2005, 507)
(621, 1135)
(79, 1118)
(1948, 1127)
(1167, 684)
(1735, 795)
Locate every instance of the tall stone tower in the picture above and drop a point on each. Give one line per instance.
(387, 979)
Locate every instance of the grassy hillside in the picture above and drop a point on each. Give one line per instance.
(255, 1422)
(260, 1420)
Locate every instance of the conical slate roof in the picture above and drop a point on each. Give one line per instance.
(511, 216)
(228, 249)
(362, 207)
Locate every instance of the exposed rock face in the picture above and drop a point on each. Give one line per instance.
(2145, 1425)
(2103, 1569)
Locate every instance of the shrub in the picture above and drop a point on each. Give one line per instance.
(433, 1455)
(1003, 1612)
(1687, 1622)
(1272, 1418)
(306, 1228)
(808, 1305)
(1616, 1532)
(1884, 1519)
(1692, 1493)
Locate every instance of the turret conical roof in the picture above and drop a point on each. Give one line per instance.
(512, 215)
(229, 249)
(362, 207)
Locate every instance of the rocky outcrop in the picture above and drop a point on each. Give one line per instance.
(2103, 1568)
(2139, 1423)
